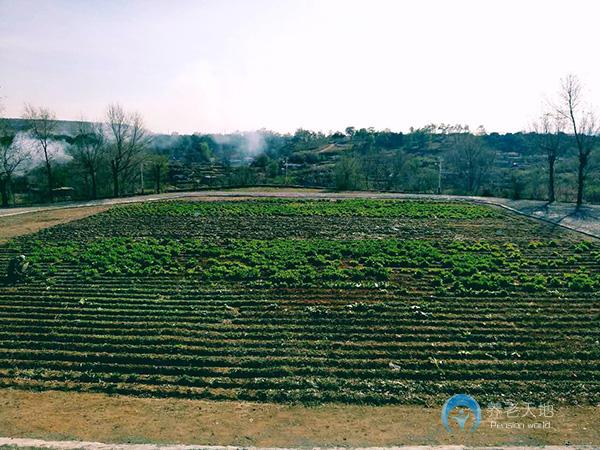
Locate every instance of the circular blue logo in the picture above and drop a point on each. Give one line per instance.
(460, 408)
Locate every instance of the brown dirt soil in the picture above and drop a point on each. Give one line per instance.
(98, 417)
(18, 225)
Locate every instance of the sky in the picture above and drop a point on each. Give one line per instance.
(227, 65)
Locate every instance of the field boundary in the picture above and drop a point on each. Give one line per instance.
(302, 194)
(541, 219)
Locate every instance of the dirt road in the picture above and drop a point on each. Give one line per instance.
(35, 444)
(73, 416)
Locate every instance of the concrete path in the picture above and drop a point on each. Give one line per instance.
(80, 445)
(585, 219)
(6, 212)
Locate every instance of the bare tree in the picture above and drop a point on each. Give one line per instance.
(471, 160)
(127, 140)
(549, 130)
(583, 124)
(42, 125)
(12, 155)
(88, 151)
(159, 164)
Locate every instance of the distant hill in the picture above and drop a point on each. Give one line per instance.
(63, 126)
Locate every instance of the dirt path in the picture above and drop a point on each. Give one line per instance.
(17, 225)
(120, 419)
(78, 445)
(252, 192)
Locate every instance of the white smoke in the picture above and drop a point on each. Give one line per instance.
(56, 150)
(254, 143)
(247, 143)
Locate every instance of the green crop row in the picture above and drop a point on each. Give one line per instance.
(281, 207)
(455, 267)
(361, 301)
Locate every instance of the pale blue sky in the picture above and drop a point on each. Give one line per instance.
(226, 65)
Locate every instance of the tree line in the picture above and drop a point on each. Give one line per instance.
(118, 155)
(116, 146)
(566, 123)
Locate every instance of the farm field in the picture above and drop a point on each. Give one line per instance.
(306, 301)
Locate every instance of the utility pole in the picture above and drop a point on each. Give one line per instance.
(285, 163)
(439, 189)
(142, 176)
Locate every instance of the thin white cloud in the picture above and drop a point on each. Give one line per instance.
(227, 65)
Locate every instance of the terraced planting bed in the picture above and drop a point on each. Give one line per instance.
(354, 301)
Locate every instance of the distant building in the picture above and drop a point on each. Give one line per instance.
(63, 193)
